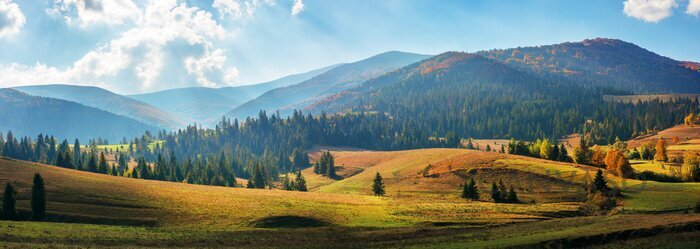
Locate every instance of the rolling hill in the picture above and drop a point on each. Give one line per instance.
(342, 77)
(108, 101)
(418, 211)
(605, 62)
(207, 105)
(27, 115)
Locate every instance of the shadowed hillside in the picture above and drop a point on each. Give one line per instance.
(27, 115)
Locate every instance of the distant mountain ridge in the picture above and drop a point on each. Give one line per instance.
(27, 115)
(605, 62)
(108, 101)
(208, 105)
(342, 77)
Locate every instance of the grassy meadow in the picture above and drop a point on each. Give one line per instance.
(422, 207)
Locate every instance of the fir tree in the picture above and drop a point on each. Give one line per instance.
(300, 183)
(495, 193)
(378, 185)
(9, 199)
(92, 163)
(38, 198)
(102, 165)
(288, 185)
(512, 196)
(599, 183)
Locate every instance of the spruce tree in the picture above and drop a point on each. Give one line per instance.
(92, 163)
(599, 183)
(300, 183)
(495, 193)
(102, 165)
(473, 190)
(9, 200)
(378, 185)
(288, 185)
(38, 198)
(512, 196)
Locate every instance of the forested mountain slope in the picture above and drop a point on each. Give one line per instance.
(108, 101)
(605, 62)
(27, 115)
(337, 79)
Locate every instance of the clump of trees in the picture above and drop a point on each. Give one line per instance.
(326, 166)
(470, 191)
(541, 148)
(38, 201)
(501, 194)
(691, 119)
(298, 184)
(600, 198)
(661, 155)
(690, 170)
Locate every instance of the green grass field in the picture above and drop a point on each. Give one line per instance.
(420, 210)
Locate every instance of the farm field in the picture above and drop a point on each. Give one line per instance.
(421, 205)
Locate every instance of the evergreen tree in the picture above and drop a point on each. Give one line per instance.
(599, 183)
(92, 163)
(102, 165)
(470, 191)
(512, 196)
(582, 154)
(495, 193)
(38, 198)
(76, 153)
(300, 182)
(9, 199)
(288, 185)
(563, 154)
(378, 185)
(259, 176)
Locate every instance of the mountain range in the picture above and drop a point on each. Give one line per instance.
(396, 83)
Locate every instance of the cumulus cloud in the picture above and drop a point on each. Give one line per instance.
(693, 7)
(298, 7)
(141, 54)
(88, 12)
(649, 10)
(11, 18)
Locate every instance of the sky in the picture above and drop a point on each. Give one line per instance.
(137, 46)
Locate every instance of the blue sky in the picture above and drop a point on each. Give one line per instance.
(133, 46)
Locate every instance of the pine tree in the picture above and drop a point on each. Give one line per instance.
(92, 163)
(259, 176)
(563, 154)
(300, 183)
(9, 199)
(378, 185)
(102, 165)
(599, 183)
(512, 196)
(495, 193)
(76, 153)
(466, 191)
(38, 198)
(470, 190)
(288, 185)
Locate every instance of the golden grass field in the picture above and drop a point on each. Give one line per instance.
(420, 210)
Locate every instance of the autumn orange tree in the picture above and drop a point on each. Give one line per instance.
(617, 163)
(691, 119)
(661, 154)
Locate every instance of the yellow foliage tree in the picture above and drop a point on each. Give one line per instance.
(661, 154)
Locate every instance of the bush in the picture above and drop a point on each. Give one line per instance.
(653, 176)
(598, 204)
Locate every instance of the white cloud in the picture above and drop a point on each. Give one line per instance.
(693, 7)
(238, 9)
(88, 12)
(231, 76)
(141, 54)
(11, 18)
(297, 7)
(649, 10)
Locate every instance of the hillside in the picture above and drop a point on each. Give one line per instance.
(605, 62)
(207, 105)
(418, 211)
(27, 115)
(108, 101)
(342, 77)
